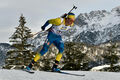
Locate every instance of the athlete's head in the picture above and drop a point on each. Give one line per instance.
(70, 19)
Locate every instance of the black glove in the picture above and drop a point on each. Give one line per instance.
(43, 28)
(64, 15)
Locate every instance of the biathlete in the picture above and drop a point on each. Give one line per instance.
(59, 25)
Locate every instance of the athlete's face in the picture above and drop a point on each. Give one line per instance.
(68, 21)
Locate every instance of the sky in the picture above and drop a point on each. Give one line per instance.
(37, 12)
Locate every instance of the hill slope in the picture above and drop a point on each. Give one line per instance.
(41, 75)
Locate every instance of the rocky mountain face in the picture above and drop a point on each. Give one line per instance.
(98, 27)
(4, 47)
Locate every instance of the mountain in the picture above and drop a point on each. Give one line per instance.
(98, 27)
(94, 28)
(4, 47)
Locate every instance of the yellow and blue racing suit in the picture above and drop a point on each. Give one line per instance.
(54, 37)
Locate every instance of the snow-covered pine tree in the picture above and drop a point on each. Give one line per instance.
(21, 53)
(111, 55)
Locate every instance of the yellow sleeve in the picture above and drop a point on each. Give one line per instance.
(56, 21)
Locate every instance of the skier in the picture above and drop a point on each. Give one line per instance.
(59, 25)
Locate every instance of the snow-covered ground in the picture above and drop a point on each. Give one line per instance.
(99, 67)
(41, 75)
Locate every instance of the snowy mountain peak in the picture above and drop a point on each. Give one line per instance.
(97, 26)
(116, 8)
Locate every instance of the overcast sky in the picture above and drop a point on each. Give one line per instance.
(37, 12)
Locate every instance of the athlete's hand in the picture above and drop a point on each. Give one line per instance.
(43, 28)
(64, 15)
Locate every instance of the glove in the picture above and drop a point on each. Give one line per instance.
(43, 28)
(64, 15)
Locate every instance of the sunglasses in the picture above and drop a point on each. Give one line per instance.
(70, 19)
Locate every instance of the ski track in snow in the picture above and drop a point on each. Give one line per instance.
(41, 75)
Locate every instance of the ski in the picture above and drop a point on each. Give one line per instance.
(61, 72)
(67, 73)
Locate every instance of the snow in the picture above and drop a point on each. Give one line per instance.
(41, 75)
(102, 66)
(99, 67)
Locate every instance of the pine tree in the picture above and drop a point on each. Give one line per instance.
(74, 59)
(111, 55)
(21, 53)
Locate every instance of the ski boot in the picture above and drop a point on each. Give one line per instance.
(55, 70)
(27, 68)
